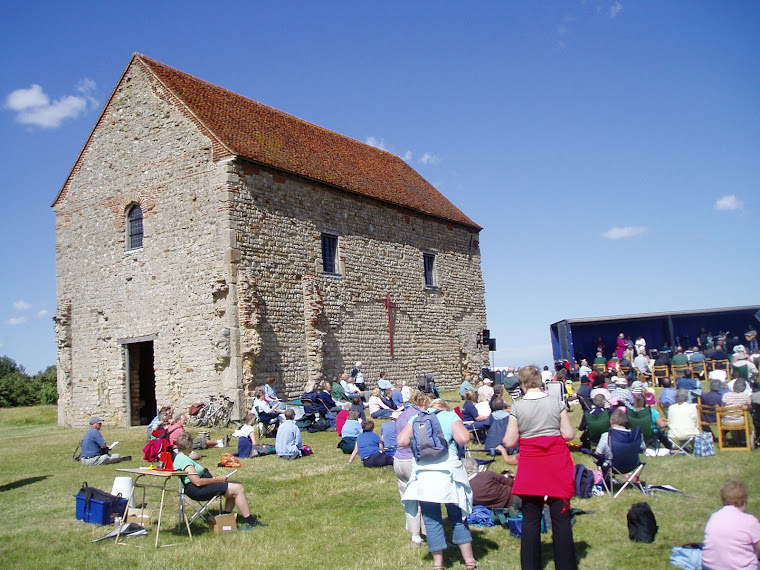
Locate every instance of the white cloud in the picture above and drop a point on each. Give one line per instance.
(43, 313)
(730, 202)
(377, 143)
(15, 321)
(624, 232)
(615, 9)
(408, 156)
(21, 305)
(429, 158)
(34, 107)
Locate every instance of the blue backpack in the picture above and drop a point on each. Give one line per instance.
(584, 482)
(428, 441)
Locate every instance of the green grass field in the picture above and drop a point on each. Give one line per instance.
(321, 511)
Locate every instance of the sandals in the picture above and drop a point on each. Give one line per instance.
(471, 565)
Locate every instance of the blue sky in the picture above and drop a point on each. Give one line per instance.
(609, 149)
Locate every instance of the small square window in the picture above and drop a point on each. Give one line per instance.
(329, 253)
(429, 265)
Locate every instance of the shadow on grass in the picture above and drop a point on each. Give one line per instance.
(22, 483)
(547, 553)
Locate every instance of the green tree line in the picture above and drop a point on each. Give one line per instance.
(17, 388)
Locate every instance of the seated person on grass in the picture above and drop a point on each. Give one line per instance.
(496, 426)
(165, 411)
(247, 437)
(388, 437)
(369, 447)
(490, 489)
(94, 448)
(351, 429)
(267, 414)
(177, 428)
(200, 485)
(288, 444)
(658, 424)
(377, 408)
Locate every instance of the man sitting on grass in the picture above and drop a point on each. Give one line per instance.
(94, 448)
(288, 444)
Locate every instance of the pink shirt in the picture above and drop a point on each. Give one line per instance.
(730, 536)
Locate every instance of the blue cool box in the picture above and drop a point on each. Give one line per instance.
(99, 512)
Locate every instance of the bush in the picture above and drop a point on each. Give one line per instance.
(17, 388)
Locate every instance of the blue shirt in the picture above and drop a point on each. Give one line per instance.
(93, 443)
(398, 398)
(388, 434)
(668, 396)
(288, 440)
(369, 443)
(351, 428)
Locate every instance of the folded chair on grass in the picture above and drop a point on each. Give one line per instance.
(199, 508)
(625, 464)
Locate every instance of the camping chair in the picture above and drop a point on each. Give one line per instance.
(735, 420)
(596, 425)
(199, 508)
(483, 464)
(470, 425)
(268, 423)
(642, 419)
(743, 371)
(625, 446)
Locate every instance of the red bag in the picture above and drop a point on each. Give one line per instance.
(195, 408)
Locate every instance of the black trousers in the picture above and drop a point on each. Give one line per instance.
(562, 533)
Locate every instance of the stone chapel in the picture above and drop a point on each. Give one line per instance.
(206, 242)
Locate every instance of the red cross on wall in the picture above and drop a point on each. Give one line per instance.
(389, 306)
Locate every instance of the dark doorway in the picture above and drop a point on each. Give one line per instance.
(142, 382)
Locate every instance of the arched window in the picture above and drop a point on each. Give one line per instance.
(134, 227)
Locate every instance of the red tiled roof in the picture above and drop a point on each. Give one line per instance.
(271, 137)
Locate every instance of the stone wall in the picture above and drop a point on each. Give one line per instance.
(142, 151)
(228, 284)
(314, 326)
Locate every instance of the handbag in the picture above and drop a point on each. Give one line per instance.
(704, 446)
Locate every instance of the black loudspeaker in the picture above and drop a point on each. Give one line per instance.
(488, 373)
(492, 344)
(486, 336)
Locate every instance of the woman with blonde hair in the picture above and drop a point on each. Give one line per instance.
(441, 481)
(377, 408)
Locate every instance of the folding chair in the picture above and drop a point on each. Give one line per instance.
(682, 444)
(515, 393)
(642, 419)
(659, 372)
(483, 464)
(199, 508)
(625, 446)
(473, 430)
(707, 416)
(557, 389)
(596, 425)
(267, 423)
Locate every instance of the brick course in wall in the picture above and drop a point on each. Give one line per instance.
(228, 285)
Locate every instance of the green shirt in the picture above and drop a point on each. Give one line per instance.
(182, 461)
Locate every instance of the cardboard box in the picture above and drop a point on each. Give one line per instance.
(221, 524)
(139, 516)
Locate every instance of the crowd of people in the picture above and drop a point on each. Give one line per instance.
(531, 434)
